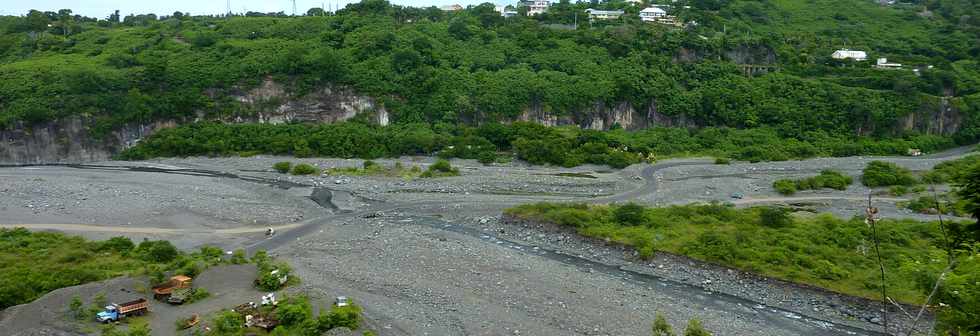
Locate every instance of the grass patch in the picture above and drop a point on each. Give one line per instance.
(371, 168)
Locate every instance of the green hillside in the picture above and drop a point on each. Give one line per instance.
(426, 65)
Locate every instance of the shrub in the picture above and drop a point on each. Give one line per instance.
(238, 257)
(898, 190)
(282, 167)
(442, 166)
(694, 328)
(785, 186)
(881, 174)
(487, 157)
(304, 169)
(775, 217)
(723, 161)
(630, 214)
(661, 327)
(157, 251)
(197, 294)
(368, 164)
(118, 244)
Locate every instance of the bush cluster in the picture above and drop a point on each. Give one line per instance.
(882, 174)
(304, 169)
(827, 179)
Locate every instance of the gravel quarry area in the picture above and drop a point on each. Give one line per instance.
(435, 257)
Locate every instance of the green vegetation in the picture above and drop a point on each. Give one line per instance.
(134, 328)
(304, 169)
(882, 174)
(371, 168)
(827, 179)
(447, 68)
(564, 146)
(662, 328)
(819, 250)
(929, 204)
(950, 171)
(35, 263)
(273, 274)
(295, 316)
(197, 294)
(440, 168)
(282, 167)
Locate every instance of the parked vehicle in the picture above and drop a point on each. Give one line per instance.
(163, 292)
(116, 312)
(342, 301)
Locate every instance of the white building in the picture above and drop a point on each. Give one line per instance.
(535, 7)
(652, 14)
(883, 64)
(505, 12)
(597, 14)
(856, 55)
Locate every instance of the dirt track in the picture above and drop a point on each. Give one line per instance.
(430, 256)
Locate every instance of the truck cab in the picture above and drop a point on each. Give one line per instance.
(110, 314)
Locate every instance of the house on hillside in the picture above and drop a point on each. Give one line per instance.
(598, 14)
(651, 14)
(657, 14)
(506, 12)
(535, 7)
(856, 55)
(451, 8)
(883, 64)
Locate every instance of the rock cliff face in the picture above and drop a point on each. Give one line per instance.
(70, 140)
(599, 116)
(271, 102)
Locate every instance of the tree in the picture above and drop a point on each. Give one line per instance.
(661, 327)
(968, 186)
(65, 20)
(316, 11)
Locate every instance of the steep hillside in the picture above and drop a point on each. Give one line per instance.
(741, 64)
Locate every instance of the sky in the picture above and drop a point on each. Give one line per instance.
(102, 8)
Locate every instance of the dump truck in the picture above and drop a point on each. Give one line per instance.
(163, 292)
(116, 312)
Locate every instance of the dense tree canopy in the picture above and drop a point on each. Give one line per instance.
(473, 66)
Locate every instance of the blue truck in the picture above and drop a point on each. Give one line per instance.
(116, 312)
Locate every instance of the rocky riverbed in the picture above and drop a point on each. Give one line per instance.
(435, 257)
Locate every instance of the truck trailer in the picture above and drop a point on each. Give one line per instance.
(116, 312)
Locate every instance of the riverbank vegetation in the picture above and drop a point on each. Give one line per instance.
(35, 263)
(819, 250)
(295, 316)
(827, 179)
(534, 143)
